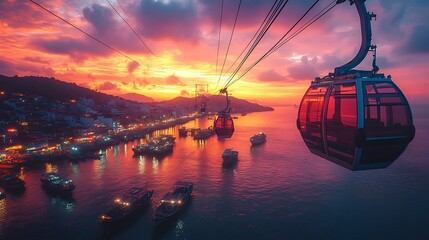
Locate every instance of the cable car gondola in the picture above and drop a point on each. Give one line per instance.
(223, 123)
(356, 119)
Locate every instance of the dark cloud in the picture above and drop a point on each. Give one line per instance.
(418, 41)
(173, 20)
(36, 60)
(77, 49)
(270, 76)
(7, 68)
(107, 86)
(101, 18)
(132, 66)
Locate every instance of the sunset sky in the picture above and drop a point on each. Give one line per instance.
(183, 37)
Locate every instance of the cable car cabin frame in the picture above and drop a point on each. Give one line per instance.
(357, 122)
(356, 119)
(224, 125)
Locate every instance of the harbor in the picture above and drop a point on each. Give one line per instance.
(273, 190)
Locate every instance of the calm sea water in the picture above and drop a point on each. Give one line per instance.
(278, 190)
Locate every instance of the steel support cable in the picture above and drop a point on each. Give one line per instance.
(297, 32)
(230, 40)
(256, 43)
(132, 29)
(120, 5)
(254, 36)
(307, 24)
(218, 41)
(89, 35)
(259, 37)
(278, 42)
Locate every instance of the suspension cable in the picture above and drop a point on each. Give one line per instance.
(132, 29)
(254, 36)
(276, 13)
(230, 39)
(218, 42)
(297, 32)
(89, 35)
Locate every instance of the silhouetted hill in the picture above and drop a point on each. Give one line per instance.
(50, 88)
(216, 103)
(54, 89)
(136, 97)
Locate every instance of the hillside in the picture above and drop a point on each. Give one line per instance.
(136, 97)
(216, 103)
(54, 89)
(50, 88)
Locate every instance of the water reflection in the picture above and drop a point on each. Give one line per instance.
(64, 202)
(3, 214)
(141, 164)
(51, 168)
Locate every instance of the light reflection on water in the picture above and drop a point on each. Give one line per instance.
(276, 190)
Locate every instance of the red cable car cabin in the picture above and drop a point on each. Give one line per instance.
(223, 125)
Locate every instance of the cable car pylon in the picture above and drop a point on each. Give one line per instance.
(357, 119)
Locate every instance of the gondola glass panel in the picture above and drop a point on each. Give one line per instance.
(388, 123)
(223, 125)
(310, 118)
(341, 122)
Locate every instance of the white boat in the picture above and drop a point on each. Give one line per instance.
(258, 138)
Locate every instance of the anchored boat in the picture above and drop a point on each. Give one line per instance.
(172, 202)
(125, 206)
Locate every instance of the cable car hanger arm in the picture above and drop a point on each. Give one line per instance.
(366, 34)
(227, 108)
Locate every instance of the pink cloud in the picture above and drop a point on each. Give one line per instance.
(132, 66)
(107, 86)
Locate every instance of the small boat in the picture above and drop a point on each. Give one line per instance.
(166, 139)
(229, 157)
(153, 148)
(125, 206)
(204, 134)
(258, 139)
(2, 195)
(172, 202)
(229, 154)
(54, 183)
(12, 182)
(183, 132)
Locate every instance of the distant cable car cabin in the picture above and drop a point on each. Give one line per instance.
(223, 123)
(356, 119)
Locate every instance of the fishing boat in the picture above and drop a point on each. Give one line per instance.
(12, 182)
(53, 182)
(172, 202)
(128, 204)
(258, 139)
(157, 146)
(203, 134)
